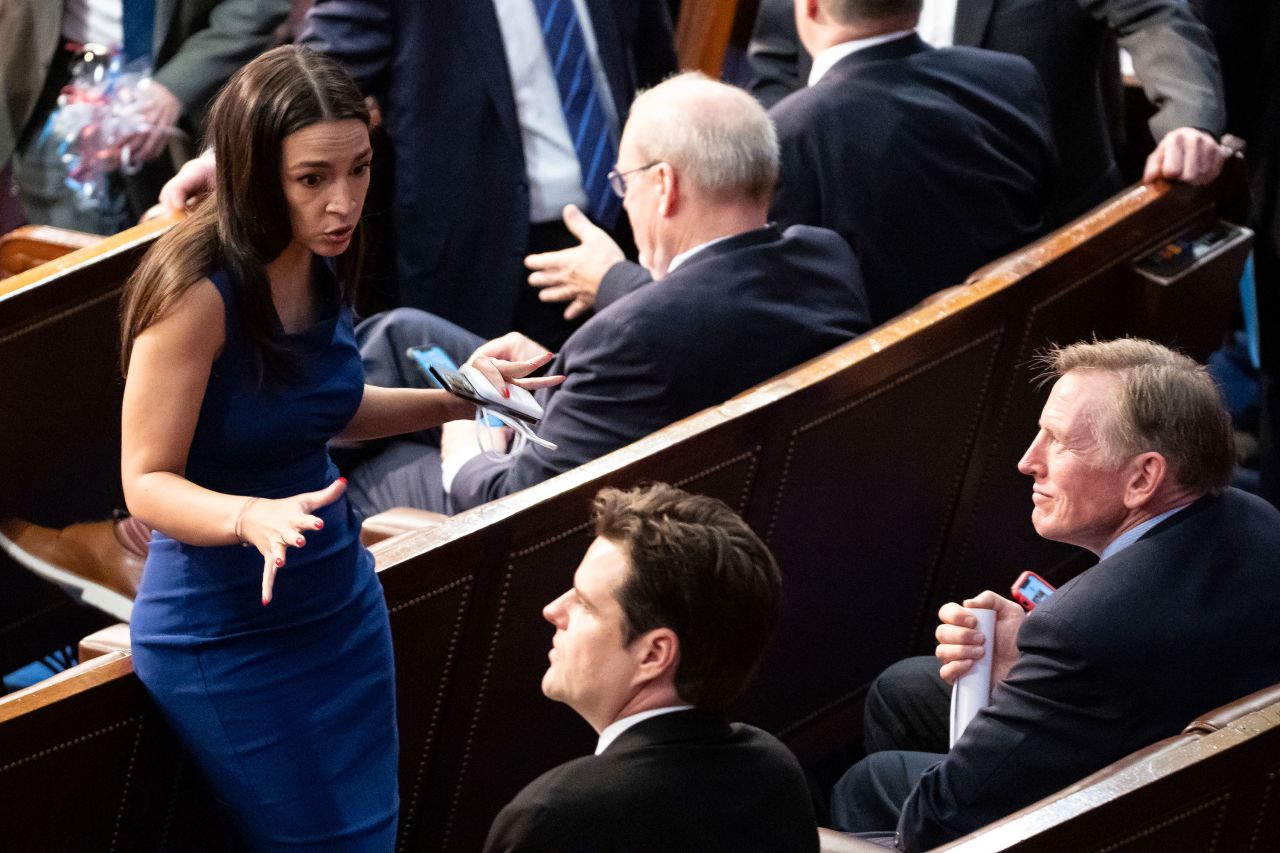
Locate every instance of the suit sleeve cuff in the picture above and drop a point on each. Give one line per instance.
(450, 465)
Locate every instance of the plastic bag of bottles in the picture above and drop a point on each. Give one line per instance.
(98, 112)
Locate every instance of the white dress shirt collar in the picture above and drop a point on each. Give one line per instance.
(938, 22)
(823, 62)
(1133, 534)
(617, 727)
(689, 253)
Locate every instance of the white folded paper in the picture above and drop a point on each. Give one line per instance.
(972, 691)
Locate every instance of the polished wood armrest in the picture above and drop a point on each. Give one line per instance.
(1220, 718)
(31, 245)
(113, 638)
(69, 682)
(397, 520)
(831, 841)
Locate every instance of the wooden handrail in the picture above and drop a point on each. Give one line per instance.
(69, 682)
(127, 240)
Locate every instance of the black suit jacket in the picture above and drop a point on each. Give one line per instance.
(1177, 624)
(687, 780)
(440, 73)
(929, 162)
(735, 314)
(1073, 47)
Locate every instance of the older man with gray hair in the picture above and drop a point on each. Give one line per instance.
(738, 301)
(1178, 617)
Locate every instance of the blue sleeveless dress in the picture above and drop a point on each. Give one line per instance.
(288, 709)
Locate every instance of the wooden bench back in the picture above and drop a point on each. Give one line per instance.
(1210, 792)
(86, 763)
(875, 472)
(60, 392)
(61, 385)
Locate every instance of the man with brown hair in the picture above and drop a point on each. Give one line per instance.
(665, 625)
(1131, 462)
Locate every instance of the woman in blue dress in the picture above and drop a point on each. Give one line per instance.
(260, 628)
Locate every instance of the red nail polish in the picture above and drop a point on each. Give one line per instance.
(279, 562)
(342, 480)
(320, 525)
(506, 392)
(301, 542)
(265, 600)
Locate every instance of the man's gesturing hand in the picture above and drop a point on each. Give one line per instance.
(574, 275)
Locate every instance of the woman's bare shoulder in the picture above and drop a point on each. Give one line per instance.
(196, 318)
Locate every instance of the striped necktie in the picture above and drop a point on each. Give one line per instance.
(588, 128)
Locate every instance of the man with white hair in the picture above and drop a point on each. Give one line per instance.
(1131, 462)
(735, 302)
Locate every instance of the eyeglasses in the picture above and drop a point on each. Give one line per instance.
(618, 180)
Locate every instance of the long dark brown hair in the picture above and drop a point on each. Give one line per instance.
(245, 223)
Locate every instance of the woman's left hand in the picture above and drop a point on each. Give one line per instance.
(501, 372)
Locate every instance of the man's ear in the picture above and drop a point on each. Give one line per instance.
(1147, 473)
(659, 652)
(669, 202)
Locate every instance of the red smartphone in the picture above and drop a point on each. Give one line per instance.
(1030, 589)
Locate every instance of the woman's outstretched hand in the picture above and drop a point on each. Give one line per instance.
(273, 526)
(501, 372)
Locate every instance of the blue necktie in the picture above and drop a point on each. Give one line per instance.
(588, 128)
(139, 18)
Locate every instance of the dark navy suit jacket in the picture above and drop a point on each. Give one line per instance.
(735, 314)
(684, 781)
(439, 72)
(1072, 44)
(1175, 625)
(931, 163)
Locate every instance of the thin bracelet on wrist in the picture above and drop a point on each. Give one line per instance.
(240, 519)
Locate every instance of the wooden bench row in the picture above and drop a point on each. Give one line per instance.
(1211, 788)
(882, 475)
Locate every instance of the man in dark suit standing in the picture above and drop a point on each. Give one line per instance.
(664, 626)
(1131, 462)
(930, 162)
(1073, 47)
(499, 113)
(736, 302)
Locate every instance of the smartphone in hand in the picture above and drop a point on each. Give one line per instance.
(1030, 589)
